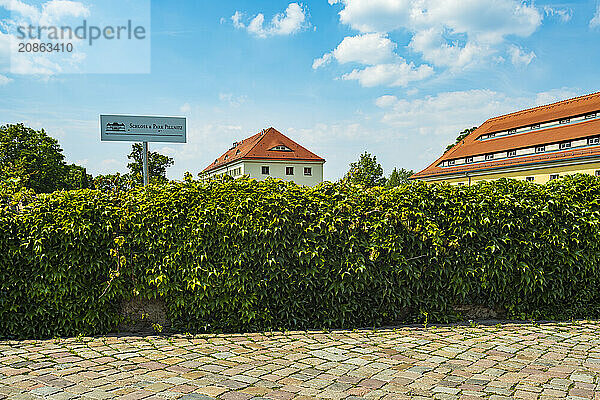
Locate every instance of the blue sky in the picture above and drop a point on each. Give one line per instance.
(396, 78)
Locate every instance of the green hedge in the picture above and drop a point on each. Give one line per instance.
(244, 255)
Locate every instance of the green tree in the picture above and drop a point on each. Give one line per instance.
(367, 172)
(460, 137)
(36, 159)
(399, 177)
(157, 165)
(114, 182)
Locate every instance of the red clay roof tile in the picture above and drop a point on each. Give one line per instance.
(258, 147)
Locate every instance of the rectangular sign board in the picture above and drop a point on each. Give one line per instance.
(137, 128)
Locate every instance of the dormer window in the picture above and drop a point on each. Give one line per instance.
(565, 145)
(511, 153)
(593, 140)
(540, 149)
(491, 135)
(280, 148)
(564, 121)
(468, 160)
(510, 131)
(451, 162)
(489, 157)
(535, 126)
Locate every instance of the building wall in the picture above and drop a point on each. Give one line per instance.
(540, 175)
(277, 170)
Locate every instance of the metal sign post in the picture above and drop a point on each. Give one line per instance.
(137, 128)
(145, 165)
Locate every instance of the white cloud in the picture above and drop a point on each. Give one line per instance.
(595, 22)
(398, 74)
(563, 14)
(21, 8)
(50, 13)
(55, 10)
(232, 100)
(289, 22)
(4, 80)
(554, 95)
(237, 20)
(519, 57)
(452, 33)
(186, 108)
(369, 49)
(386, 101)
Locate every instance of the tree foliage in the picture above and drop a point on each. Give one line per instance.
(463, 134)
(366, 172)
(37, 161)
(399, 177)
(157, 165)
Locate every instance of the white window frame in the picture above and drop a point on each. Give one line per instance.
(451, 162)
(511, 153)
(564, 145)
(286, 171)
(540, 149)
(262, 170)
(530, 178)
(593, 140)
(554, 176)
(489, 157)
(309, 171)
(468, 160)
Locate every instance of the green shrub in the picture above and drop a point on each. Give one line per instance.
(240, 255)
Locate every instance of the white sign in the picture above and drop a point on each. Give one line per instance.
(135, 128)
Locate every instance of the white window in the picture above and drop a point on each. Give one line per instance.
(512, 131)
(289, 170)
(265, 170)
(564, 145)
(307, 171)
(535, 126)
(590, 116)
(529, 179)
(451, 162)
(540, 149)
(461, 184)
(553, 176)
(597, 173)
(594, 140)
(511, 153)
(489, 157)
(564, 121)
(491, 135)
(469, 160)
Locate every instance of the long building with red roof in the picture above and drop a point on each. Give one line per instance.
(269, 153)
(538, 144)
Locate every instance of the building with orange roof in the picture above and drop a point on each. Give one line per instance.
(269, 153)
(537, 145)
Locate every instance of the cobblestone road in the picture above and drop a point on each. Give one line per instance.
(507, 362)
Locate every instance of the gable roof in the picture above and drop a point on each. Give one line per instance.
(472, 146)
(260, 147)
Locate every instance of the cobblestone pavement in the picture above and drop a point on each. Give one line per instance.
(496, 362)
